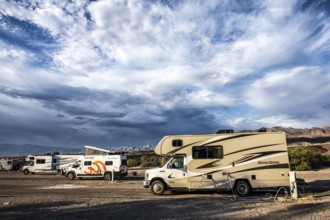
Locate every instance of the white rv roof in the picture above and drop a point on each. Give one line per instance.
(88, 148)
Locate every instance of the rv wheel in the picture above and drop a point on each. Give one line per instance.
(157, 187)
(107, 176)
(70, 176)
(242, 188)
(26, 171)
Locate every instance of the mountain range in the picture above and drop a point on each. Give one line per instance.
(294, 136)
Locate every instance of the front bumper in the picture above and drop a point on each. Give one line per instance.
(146, 183)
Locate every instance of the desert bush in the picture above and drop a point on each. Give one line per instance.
(150, 161)
(132, 162)
(305, 159)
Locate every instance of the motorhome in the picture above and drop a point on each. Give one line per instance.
(8, 164)
(241, 162)
(49, 164)
(98, 163)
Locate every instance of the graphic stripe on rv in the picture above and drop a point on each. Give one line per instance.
(228, 138)
(209, 165)
(275, 166)
(180, 148)
(252, 148)
(246, 158)
(255, 155)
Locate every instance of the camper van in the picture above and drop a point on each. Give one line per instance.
(240, 162)
(7, 164)
(98, 166)
(48, 164)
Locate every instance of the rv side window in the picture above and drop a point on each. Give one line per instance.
(199, 152)
(108, 163)
(9, 162)
(40, 161)
(55, 161)
(207, 152)
(177, 143)
(88, 163)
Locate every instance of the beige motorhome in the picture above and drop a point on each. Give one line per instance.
(231, 161)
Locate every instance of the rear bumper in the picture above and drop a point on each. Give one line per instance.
(146, 183)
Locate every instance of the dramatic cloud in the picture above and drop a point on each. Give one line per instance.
(111, 73)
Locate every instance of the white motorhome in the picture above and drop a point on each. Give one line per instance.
(98, 166)
(49, 164)
(8, 164)
(240, 162)
(98, 163)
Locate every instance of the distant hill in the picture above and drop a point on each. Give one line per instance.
(316, 139)
(13, 150)
(310, 135)
(303, 132)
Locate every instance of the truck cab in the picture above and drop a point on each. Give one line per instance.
(172, 175)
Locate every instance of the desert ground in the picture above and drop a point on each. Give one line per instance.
(55, 197)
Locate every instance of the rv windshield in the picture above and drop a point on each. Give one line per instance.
(76, 164)
(165, 160)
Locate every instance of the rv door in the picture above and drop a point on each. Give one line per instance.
(176, 172)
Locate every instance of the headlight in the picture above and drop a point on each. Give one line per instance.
(146, 176)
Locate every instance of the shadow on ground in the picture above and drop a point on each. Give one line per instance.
(191, 208)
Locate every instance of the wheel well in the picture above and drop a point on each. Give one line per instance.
(160, 179)
(245, 180)
(74, 173)
(107, 173)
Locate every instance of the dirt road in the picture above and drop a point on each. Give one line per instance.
(55, 197)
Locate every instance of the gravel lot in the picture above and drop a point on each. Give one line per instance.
(55, 197)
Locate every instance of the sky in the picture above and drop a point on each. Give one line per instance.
(128, 72)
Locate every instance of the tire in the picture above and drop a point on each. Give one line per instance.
(26, 171)
(157, 187)
(242, 188)
(71, 176)
(107, 176)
